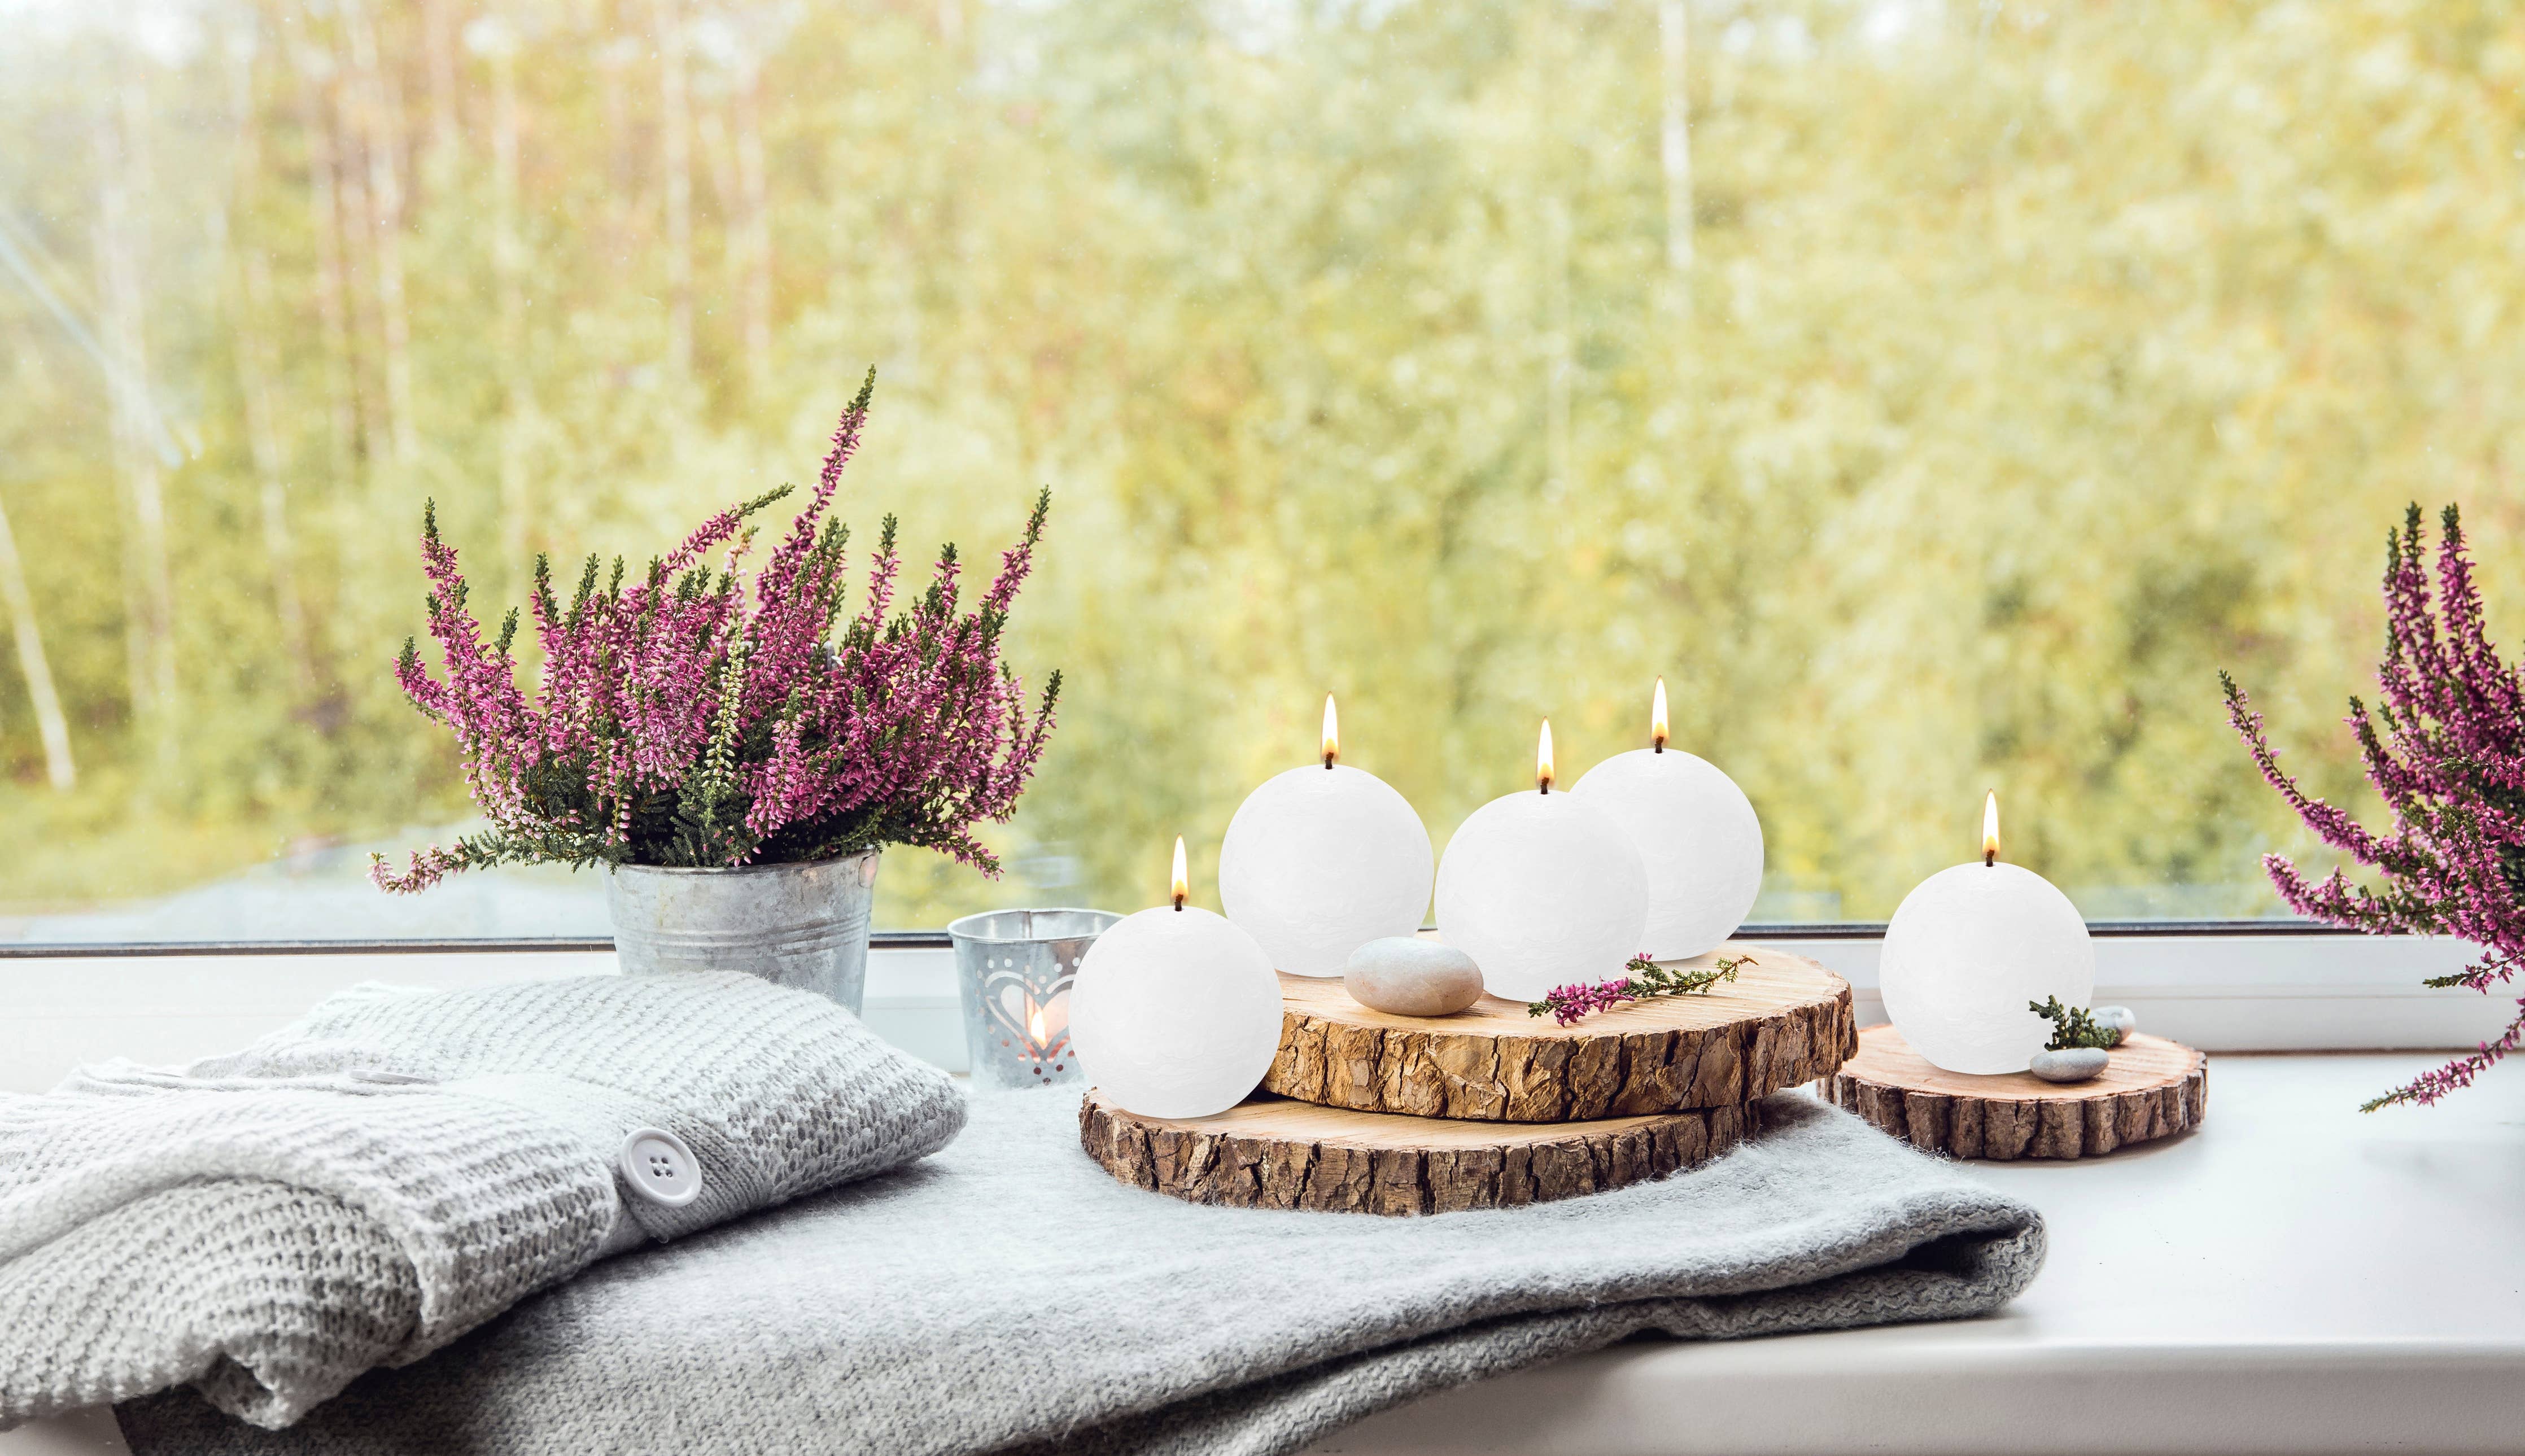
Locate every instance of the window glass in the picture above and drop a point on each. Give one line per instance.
(1935, 394)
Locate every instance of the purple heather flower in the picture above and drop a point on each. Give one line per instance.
(2445, 746)
(678, 722)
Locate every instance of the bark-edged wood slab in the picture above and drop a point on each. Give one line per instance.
(2150, 1089)
(1273, 1154)
(1783, 1022)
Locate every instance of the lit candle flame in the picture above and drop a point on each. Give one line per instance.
(1989, 828)
(1657, 718)
(1034, 1028)
(1332, 732)
(1182, 888)
(1543, 758)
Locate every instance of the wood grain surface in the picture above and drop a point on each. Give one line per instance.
(1271, 1152)
(1784, 1021)
(2149, 1088)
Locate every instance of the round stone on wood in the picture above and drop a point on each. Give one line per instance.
(2069, 1063)
(1411, 977)
(2150, 1088)
(1274, 1153)
(1784, 1021)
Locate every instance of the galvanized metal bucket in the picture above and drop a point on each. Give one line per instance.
(1012, 972)
(801, 925)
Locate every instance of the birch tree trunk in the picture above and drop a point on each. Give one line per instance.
(754, 224)
(358, 250)
(50, 725)
(676, 159)
(1675, 135)
(256, 370)
(509, 267)
(312, 66)
(446, 128)
(121, 144)
(1561, 361)
(381, 108)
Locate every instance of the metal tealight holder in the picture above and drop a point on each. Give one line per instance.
(1012, 972)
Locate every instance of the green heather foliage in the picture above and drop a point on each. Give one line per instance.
(2072, 1026)
(2030, 362)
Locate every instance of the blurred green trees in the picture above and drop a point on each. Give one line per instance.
(2025, 367)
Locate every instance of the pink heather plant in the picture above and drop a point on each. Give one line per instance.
(1570, 1004)
(678, 723)
(2445, 747)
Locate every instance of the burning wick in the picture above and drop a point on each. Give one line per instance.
(1183, 882)
(1332, 732)
(1989, 828)
(1034, 1029)
(1543, 758)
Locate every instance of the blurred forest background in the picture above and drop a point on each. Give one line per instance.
(1936, 394)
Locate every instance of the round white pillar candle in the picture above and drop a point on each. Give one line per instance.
(1175, 1011)
(1696, 834)
(1542, 890)
(1321, 861)
(1969, 948)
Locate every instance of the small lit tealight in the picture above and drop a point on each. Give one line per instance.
(1323, 859)
(1696, 833)
(1542, 890)
(1969, 948)
(1175, 1012)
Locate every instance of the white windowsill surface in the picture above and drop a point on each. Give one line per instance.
(2292, 1277)
(2276, 992)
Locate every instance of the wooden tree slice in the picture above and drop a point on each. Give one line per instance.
(1274, 1153)
(1784, 1021)
(2150, 1089)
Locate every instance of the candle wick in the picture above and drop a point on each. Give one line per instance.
(1989, 858)
(1328, 760)
(1660, 745)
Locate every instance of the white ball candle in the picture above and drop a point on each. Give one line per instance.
(1175, 1011)
(1542, 890)
(1969, 948)
(1696, 834)
(1321, 861)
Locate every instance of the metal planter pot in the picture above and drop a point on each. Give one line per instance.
(798, 925)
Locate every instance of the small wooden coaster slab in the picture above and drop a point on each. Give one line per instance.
(2150, 1088)
(1274, 1153)
(1783, 1022)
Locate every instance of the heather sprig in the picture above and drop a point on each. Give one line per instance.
(684, 719)
(1570, 1004)
(2073, 1027)
(2445, 746)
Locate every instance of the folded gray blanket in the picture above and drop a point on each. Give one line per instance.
(385, 1175)
(1008, 1295)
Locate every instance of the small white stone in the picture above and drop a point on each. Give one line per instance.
(1411, 977)
(2074, 1064)
(2115, 1019)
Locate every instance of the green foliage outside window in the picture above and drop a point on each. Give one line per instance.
(1978, 382)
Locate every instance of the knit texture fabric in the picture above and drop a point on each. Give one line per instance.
(385, 1175)
(1008, 1295)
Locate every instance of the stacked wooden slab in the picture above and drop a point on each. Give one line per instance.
(1368, 1112)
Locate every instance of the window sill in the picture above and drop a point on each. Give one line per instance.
(2219, 991)
(2294, 1276)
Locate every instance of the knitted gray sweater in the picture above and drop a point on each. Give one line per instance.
(373, 1181)
(1008, 1295)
